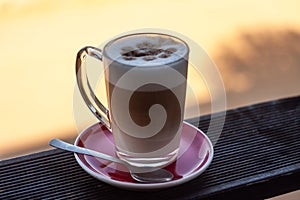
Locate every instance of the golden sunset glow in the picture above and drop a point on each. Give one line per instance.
(39, 40)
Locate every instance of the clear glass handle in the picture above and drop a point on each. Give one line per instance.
(85, 88)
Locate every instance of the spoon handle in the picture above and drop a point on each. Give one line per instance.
(69, 147)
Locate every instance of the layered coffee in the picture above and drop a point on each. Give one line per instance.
(146, 86)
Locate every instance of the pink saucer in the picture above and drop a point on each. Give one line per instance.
(195, 155)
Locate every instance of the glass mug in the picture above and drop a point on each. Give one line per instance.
(145, 78)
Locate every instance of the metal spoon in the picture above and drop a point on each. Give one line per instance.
(141, 174)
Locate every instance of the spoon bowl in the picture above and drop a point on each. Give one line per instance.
(140, 174)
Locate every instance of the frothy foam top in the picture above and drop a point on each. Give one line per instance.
(146, 50)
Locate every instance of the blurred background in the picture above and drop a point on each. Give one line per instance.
(255, 44)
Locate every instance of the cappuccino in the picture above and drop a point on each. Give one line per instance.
(146, 84)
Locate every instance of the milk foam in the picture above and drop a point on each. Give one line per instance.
(146, 50)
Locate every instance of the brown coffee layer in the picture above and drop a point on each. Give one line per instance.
(140, 103)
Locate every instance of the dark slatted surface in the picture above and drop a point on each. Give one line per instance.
(256, 156)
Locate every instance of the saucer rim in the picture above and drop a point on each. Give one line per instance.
(147, 186)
